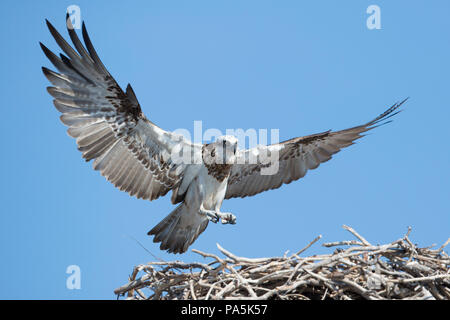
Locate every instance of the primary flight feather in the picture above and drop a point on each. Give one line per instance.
(147, 162)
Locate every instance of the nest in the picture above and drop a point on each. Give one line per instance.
(397, 270)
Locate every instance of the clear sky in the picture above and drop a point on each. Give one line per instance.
(298, 66)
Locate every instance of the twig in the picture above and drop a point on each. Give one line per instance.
(309, 245)
(356, 234)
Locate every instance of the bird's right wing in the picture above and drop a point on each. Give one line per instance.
(130, 151)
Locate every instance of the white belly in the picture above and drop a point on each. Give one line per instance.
(207, 190)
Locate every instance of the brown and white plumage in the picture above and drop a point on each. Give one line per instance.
(295, 157)
(144, 160)
(108, 123)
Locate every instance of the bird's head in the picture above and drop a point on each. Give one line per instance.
(223, 150)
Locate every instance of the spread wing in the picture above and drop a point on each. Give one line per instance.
(294, 158)
(108, 124)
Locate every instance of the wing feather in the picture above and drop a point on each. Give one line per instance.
(295, 157)
(108, 123)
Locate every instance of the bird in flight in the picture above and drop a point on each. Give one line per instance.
(146, 161)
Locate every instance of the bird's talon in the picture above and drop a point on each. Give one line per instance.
(213, 217)
(228, 218)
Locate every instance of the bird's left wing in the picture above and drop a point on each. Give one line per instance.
(130, 151)
(290, 160)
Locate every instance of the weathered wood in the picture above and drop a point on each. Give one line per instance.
(397, 270)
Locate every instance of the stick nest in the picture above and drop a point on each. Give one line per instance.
(397, 270)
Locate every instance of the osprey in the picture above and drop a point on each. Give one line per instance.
(147, 162)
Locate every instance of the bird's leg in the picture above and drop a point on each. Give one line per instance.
(210, 214)
(214, 216)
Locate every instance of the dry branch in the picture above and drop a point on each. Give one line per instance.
(397, 270)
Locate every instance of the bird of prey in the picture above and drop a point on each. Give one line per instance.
(138, 157)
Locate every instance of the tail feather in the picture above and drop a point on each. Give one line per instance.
(179, 229)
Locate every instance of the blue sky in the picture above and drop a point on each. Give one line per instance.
(298, 66)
